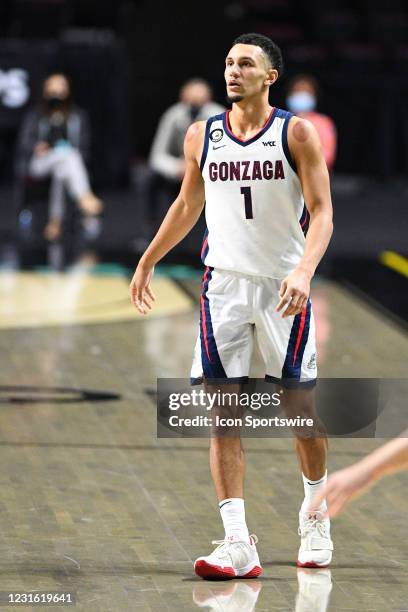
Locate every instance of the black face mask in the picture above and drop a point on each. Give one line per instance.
(194, 110)
(55, 103)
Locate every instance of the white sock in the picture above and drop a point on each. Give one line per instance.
(311, 488)
(232, 512)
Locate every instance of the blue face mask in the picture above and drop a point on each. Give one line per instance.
(301, 102)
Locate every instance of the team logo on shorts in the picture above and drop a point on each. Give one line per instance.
(312, 362)
(216, 135)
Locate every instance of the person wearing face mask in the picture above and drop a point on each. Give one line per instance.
(54, 142)
(301, 100)
(195, 104)
(166, 160)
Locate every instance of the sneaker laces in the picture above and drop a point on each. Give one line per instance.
(314, 523)
(252, 537)
(222, 550)
(225, 554)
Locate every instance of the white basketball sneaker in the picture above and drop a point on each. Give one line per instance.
(231, 559)
(315, 542)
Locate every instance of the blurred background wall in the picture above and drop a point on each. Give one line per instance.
(358, 51)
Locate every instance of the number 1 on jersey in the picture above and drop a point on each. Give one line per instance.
(246, 192)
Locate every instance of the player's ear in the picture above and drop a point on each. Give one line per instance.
(272, 76)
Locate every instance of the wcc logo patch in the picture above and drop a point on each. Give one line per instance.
(269, 143)
(216, 135)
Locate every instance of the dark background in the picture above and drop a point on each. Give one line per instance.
(358, 51)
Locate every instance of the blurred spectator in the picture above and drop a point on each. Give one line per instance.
(54, 142)
(158, 187)
(195, 104)
(301, 100)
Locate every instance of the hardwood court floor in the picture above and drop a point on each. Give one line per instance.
(92, 502)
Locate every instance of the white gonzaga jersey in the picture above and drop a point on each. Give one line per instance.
(255, 212)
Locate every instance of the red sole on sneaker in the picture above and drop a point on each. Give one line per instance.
(254, 573)
(311, 564)
(213, 572)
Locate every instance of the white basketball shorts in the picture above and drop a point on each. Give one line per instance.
(237, 308)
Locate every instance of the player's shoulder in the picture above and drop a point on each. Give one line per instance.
(198, 132)
(195, 132)
(198, 128)
(193, 141)
(302, 132)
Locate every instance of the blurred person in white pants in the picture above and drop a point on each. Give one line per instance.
(54, 140)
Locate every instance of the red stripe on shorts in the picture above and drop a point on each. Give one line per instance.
(204, 320)
(300, 333)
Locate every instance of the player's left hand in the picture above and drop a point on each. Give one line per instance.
(294, 292)
(342, 487)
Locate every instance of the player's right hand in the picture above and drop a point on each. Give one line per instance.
(294, 293)
(140, 291)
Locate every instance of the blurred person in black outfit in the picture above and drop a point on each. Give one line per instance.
(167, 154)
(195, 104)
(54, 142)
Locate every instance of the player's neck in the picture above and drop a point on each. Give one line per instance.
(248, 116)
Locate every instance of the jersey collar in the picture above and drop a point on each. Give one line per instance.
(244, 143)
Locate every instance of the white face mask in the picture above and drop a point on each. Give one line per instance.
(301, 102)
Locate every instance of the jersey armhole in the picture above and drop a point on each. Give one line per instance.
(206, 142)
(285, 144)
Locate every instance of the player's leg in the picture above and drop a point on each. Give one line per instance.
(310, 441)
(236, 555)
(311, 448)
(224, 352)
(288, 348)
(227, 458)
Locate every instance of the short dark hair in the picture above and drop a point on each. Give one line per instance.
(271, 49)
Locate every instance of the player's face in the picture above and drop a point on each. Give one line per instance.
(247, 72)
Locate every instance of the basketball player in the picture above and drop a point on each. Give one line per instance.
(345, 485)
(255, 167)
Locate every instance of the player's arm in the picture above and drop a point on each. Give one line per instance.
(304, 145)
(344, 485)
(181, 217)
